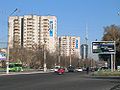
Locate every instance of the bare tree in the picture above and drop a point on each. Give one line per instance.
(112, 33)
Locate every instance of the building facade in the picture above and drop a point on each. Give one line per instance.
(69, 45)
(84, 51)
(30, 31)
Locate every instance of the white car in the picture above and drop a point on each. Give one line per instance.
(79, 69)
(56, 68)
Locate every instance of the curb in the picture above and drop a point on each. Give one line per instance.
(106, 77)
(22, 73)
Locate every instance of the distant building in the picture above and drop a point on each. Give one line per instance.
(29, 31)
(69, 45)
(84, 51)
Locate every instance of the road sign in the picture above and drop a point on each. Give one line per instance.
(2, 56)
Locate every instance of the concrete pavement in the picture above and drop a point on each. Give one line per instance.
(52, 81)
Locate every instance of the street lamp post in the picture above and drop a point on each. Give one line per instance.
(59, 59)
(8, 48)
(45, 67)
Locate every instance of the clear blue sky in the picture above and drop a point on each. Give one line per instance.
(72, 15)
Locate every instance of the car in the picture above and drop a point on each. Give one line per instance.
(71, 69)
(61, 71)
(56, 68)
(52, 69)
(79, 69)
(103, 68)
(41, 69)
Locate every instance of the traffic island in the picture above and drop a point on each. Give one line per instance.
(106, 73)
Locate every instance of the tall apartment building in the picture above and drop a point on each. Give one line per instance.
(84, 51)
(69, 45)
(29, 31)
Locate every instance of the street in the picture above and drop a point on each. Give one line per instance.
(52, 81)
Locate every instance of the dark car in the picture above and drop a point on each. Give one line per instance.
(103, 68)
(71, 69)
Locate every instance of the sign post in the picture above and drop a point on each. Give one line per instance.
(112, 62)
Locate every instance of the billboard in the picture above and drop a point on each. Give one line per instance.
(2, 56)
(51, 28)
(103, 47)
(76, 44)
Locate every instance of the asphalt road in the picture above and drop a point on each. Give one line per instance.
(51, 81)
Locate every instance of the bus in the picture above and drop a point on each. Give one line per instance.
(15, 67)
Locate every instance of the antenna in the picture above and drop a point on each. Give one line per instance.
(118, 13)
(86, 34)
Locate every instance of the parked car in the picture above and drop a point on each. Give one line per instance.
(71, 69)
(79, 69)
(103, 68)
(52, 69)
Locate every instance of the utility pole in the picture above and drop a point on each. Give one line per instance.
(59, 50)
(70, 51)
(8, 48)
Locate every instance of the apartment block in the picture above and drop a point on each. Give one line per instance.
(30, 31)
(69, 45)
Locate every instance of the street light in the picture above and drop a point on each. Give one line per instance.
(45, 67)
(8, 48)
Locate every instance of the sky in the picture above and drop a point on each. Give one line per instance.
(72, 15)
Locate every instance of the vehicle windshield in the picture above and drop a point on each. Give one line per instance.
(15, 65)
(18, 65)
(11, 66)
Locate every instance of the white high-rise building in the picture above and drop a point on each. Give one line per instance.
(69, 45)
(29, 31)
